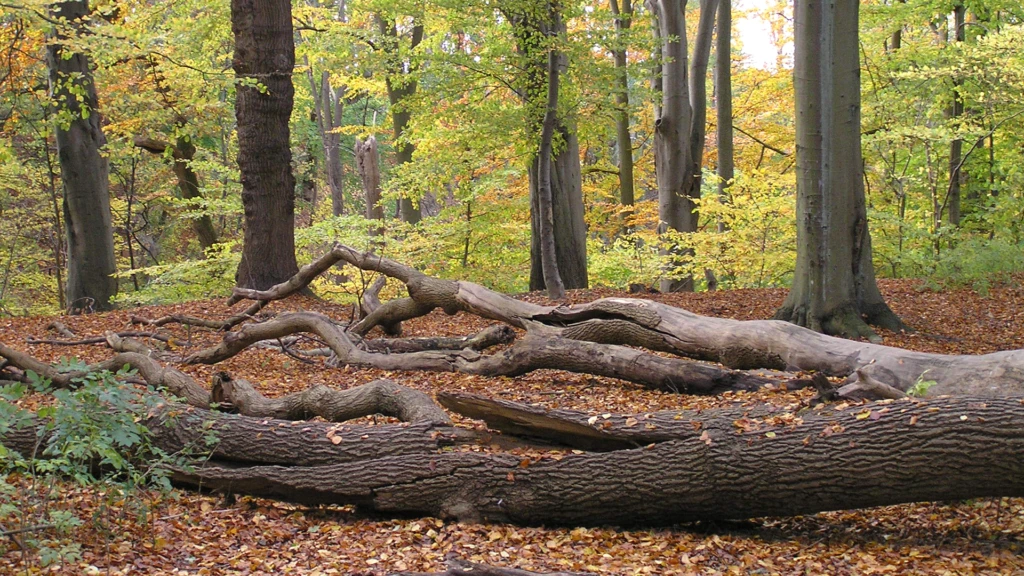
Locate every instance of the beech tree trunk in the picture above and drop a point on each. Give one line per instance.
(83, 168)
(570, 230)
(834, 289)
(265, 53)
(368, 167)
(723, 100)
(401, 85)
(329, 105)
(624, 141)
(954, 114)
(549, 265)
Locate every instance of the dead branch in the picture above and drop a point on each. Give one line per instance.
(220, 325)
(458, 567)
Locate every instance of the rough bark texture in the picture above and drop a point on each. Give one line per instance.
(83, 169)
(462, 568)
(265, 53)
(834, 289)
(182, 154)
(945, 449)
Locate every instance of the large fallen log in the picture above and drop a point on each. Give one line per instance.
(878, 454)
(462, 568)
(736, 344)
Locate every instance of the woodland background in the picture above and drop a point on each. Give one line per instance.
(942, 119)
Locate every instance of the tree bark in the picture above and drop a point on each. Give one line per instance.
(872, 455)
(265, 53)
(624, 142)
(834, 289)
(83, 168)
(401, 86)
(723, 100)
(549, 264)
(672, 153)
(699, 95)
(462, 568)
(368, 167)
(953, 115)
(329, 105)
(566, 184)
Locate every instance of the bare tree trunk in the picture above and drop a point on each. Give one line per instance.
(401, 86)
(954, 114)
(83, 168)
(329, 105)
(699, 94)
(624, 142)
(549, 264)
(723, 100)
(368, 167)
(265, 52)
(834, 289)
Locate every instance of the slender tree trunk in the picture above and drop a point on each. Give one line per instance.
(624, 142)
(834, 289)
(699, 95)
(954, 114)
(265, 53)
(329, 105)
(723, 101)
(84, 170)
(401, 86)
(549, 264)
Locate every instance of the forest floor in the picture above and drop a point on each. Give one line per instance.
(202, 534)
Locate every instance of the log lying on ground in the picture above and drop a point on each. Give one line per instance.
(883, 453)
(462, 568)
(737, 344)
(540, 349)
(226, 324)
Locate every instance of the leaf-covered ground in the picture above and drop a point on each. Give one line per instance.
(200, 534)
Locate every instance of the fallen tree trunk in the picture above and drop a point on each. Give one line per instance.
(736, 344)
(541, 348)
(883, 453)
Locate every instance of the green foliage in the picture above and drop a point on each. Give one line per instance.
(93, 435)
(921, 386)
(186, 279)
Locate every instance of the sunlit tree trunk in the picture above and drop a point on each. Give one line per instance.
(265, 52)
(329, 104)
(624, 142)
(834, 288)
(84, 170)
(549, 263)
(723, 100)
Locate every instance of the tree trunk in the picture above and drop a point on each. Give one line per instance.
(265, 53)
(672, 153)
(401, 86)
(699, 95)
(329, 105)
(183, 153)
(954, 114)
(368, 167)
(834, 289)
(624, 142)
(723, 100)
(549, 264)
(83, 168)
